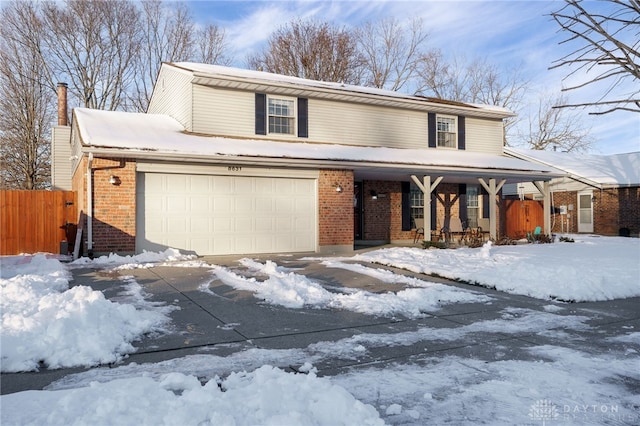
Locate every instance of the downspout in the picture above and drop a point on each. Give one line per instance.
(89, 207)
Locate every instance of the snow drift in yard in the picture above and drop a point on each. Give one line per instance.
(44, 322)
(286, 288)
(590, 269)
(264, 396)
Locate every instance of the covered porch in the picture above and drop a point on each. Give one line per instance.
(438, 203)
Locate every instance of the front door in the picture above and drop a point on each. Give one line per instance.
(357, 210)
(585, 211)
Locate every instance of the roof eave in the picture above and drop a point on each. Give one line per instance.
(263, 161)
(293, 89)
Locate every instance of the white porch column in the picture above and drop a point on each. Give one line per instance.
(492, 188)
(545, 190)
(427, 188)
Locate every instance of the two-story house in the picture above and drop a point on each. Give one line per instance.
(230, 161)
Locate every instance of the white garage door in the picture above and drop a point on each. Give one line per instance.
(225, 214)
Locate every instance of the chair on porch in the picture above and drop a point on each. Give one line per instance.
(419, 229)
(455, 229)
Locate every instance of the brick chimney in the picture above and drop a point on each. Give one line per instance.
(62, 104)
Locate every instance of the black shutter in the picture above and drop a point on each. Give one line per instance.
(261, 114)
(406, 206)
(431, 123)
(461, 135)
(303, 121)
(462, 190)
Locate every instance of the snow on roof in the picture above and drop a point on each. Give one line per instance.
(213, 70)
(616, 169)
(124, 131)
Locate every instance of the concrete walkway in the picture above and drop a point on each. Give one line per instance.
(228, 321)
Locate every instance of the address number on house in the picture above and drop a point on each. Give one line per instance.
(234, 168)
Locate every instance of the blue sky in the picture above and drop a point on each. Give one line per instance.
(506, 33)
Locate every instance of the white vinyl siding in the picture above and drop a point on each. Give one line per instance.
(228, 112)
(232, 113)
(61, 158)
(483, 135)
(366, 125)
(223, 112)
(173, 96)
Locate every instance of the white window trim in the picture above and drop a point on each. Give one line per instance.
(455, 131)
(294, 117)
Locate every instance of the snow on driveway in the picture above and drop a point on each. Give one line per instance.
(557, 385)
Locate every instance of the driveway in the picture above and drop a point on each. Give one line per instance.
(215, 318)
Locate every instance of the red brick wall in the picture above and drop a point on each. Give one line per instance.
(629, 212)
(565, 223)
(335, 215)
(613, 209)
(383, 216)
(79, 185)
(377, 213)
(114, 206)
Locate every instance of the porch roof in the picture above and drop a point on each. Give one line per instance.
(156, 137)
(601, 171)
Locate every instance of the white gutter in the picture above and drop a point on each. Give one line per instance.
(474, 171)
(89, 205)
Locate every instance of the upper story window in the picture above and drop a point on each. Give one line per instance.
(446, 131)
(282, 117)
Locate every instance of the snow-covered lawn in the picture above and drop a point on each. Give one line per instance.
(592, 268)
(44, 322)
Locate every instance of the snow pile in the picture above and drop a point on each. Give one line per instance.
(591, 269)
(144, 259)
(264, 396)
(286, 288)
(44, 322)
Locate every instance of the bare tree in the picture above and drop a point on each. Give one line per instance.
(211, 46)
(93, 44)
(476, 81)
(166, 35)
(26, 101)
(313, 50)
(442, 79)
(554, 128)
(607, 51)
(391, 52)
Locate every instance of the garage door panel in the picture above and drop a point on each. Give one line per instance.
(223, 185)
(177, 184)
(226, 214)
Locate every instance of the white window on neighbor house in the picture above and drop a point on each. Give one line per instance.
(282, 117)
(446, 131)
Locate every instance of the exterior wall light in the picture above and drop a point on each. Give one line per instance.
(338, 187)
(374, 195)
(114, 180)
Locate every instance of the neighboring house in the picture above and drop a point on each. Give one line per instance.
(599, 194)
(230, 161)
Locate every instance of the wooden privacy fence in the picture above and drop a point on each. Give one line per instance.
(522, 217)
(36, 221)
